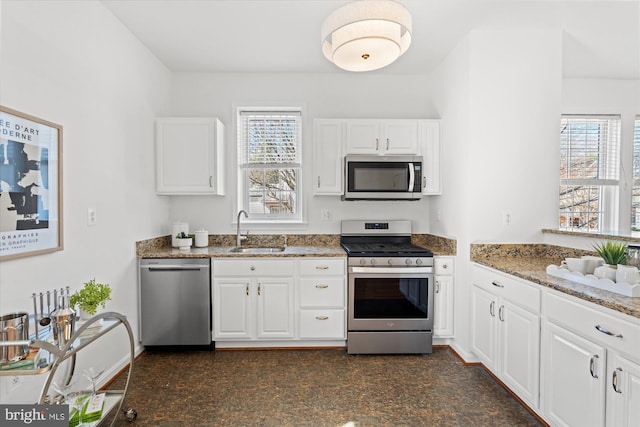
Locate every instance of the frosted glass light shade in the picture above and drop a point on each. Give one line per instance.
(366, 35)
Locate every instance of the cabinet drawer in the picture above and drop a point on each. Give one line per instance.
(322, 324)
(443, 266)
(322, 292)
(322, 267)
(593, 324)
(252, 267)
(517, 291)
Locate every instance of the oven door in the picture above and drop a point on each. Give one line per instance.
(390, 299)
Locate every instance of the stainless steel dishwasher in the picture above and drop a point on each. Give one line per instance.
(175, 302)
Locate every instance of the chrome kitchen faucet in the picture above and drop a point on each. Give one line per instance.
(240, 237)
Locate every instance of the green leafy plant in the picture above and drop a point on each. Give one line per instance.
(183, 235)
(91, 296)
(612, 252)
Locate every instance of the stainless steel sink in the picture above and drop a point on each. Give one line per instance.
(257, 250)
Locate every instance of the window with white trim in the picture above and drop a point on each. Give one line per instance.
(589, 172)
(269, 162)
(635, 195)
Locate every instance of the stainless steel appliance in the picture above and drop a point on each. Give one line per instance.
(390, 289)
(383, 178)
(175, 302)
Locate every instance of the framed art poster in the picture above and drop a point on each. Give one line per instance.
(30, 185)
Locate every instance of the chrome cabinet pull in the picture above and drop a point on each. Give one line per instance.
(614, 380)
(210, 181)
(322, 286)
(387, 143)
(318, 181)
(437, 286)
(497, 284)
(322, 317)
(501, 313)
(607, 332)
(259, 285)
(492, 308)
(592, 366)
(424, 182)
(247, 289)
(322, 267)
(252, 268)
(377, 144)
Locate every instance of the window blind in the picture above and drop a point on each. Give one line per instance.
(589, 150)
(269, 139)
(636, 151)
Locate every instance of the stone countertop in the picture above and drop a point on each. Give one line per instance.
(529, 262)
(300, 245)
(224, 251)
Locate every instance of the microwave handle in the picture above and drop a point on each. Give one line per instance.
(412, 177)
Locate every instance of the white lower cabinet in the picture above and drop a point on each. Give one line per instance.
(443, 297)
(506, 330)
(590, 367)
(257, 300)
(623, 391)
(253, 299)
(573, 378)
(322, 299)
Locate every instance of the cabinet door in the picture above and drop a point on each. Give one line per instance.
(327, 157)
(484, 310)
(232, 308)
(520, 351)
(443, 307)
(189, 156)
(362, 137)
(399, 137)
(429, 140)
(623, 392)
(275, 307)
(573, 375)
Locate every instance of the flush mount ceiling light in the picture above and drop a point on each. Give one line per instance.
(366, 35)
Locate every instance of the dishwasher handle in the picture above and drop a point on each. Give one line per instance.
(176, 268)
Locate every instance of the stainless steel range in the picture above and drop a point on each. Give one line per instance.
(390, 289)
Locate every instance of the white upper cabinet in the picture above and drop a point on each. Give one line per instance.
(429, 137)
(383, 137)
(189, 156)
(328, 136)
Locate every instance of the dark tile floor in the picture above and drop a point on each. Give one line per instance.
(315, 388)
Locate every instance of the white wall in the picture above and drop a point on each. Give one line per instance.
(72, 63)
(322, 96)
(499, 96)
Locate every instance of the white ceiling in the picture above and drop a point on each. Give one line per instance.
(601, 39)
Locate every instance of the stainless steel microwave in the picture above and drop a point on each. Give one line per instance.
(383, 178)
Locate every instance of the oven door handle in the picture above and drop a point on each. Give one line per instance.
(394, 270)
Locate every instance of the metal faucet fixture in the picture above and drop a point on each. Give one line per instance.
(240, 237)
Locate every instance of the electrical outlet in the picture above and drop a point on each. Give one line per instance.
(16, 382)
(91, 216)
(325, 215)
(506, 218)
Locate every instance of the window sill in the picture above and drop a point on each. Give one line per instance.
(626, 237)
(270, 225)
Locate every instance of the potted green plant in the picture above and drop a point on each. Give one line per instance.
(612, 252)
(90, 297)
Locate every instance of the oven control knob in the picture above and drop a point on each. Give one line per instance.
(390, 261)
(373, 262)
(407, 261)
(418, 261)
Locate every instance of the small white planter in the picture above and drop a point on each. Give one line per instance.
(184, 244)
